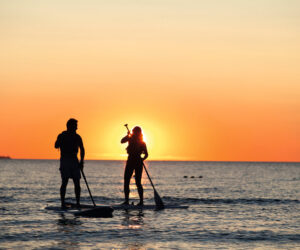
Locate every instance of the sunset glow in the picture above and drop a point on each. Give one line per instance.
(205, 80)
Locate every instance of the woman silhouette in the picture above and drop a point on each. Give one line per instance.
(136, 148)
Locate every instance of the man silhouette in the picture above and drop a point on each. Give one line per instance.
(68, 142)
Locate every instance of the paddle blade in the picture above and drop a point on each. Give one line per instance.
(158, 201)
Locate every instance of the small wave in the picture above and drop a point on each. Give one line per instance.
(256, 201)
(242, 235)
(7, 199)
(10, 189)
(3, 209)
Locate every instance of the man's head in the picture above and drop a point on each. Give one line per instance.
(72, 125)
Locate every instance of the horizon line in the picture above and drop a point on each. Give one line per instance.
(157, 160)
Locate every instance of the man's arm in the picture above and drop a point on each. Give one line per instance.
(82, 151)
(57, 143)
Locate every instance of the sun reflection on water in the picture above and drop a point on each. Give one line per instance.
(132, 220)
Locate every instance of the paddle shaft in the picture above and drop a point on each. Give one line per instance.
(87, 185)
(148, 176)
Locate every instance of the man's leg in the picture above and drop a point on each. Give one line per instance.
(64, 183)
(77, 190)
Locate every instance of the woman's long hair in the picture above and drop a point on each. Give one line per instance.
(137, 134)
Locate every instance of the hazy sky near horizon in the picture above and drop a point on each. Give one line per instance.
(206, 80)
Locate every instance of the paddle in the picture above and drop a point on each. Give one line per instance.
(158, 201)
(103, 212)
(87, 185)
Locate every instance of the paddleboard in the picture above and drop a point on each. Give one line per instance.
(148, 207)
(71, 207)
(84, 210)
(135, 207)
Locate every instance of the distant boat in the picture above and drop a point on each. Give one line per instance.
(4, 157)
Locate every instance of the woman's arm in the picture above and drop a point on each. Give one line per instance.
(125, 139)
(145, 151)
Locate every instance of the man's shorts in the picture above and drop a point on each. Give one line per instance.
(69, 168)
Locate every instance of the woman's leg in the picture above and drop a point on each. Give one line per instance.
(127, 176)
(138, 181)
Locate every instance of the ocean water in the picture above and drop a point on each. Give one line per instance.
(233, 205)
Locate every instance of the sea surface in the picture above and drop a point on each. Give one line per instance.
(232, 205)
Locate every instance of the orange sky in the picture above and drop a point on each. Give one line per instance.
(206, 80)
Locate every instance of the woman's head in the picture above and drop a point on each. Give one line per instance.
(137, 132)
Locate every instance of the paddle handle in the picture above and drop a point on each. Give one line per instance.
(126, 125)
(87, 185)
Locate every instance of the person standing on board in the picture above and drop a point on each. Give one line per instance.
(68, 142)
(136, 148)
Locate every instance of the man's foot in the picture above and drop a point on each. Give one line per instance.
(124, 203)
(77, 205)
(140, 204)
(63, 206)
